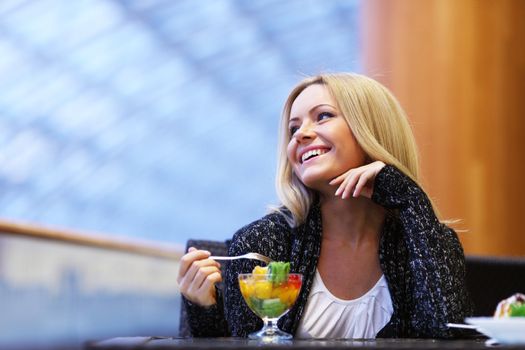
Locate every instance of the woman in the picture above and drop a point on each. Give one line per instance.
(375, 259)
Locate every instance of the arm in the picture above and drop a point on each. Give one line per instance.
(201, 298)
(436, 260)
(207, 321)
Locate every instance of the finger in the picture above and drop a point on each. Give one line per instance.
(186, 282)
(190, 273)
(350, 185)
(209, 281)
(338, 180)
(367, 192)
(206, 294)
(193, 249)
(187, 259)
(363, 180)
(202, 275)
(347, 190)
(193, 286)
(197, 265)
(348, 178)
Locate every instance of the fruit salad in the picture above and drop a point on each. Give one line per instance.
(513, 306)
(270, 291)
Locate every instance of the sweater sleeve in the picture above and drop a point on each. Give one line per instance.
(436, 260)
(207, 321)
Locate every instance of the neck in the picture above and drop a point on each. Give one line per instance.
(352, 220)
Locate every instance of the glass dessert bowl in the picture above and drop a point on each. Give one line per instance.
(270, 296)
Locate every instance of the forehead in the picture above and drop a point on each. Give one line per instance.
(312, 96)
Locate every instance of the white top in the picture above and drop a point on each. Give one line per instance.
(327, 316)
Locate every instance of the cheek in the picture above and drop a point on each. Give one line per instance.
(350, 147)
(354, 155)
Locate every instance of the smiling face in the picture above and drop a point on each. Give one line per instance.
(321, 145)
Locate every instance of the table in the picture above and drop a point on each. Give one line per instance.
(128, 343)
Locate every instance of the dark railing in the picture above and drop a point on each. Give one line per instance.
(135, 246)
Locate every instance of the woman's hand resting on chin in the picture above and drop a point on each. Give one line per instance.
(197, 277)
(358, 181)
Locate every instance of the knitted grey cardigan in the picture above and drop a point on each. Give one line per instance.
(422, 260)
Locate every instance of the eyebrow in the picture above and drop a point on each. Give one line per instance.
(312, 109)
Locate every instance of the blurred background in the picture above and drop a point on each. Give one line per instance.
(151, 122)
(154, 119)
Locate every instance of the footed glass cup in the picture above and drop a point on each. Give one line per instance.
(270, 297)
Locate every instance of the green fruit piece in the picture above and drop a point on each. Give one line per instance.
(517, 310)
(273, 307)
(279, 271)
(255, 303)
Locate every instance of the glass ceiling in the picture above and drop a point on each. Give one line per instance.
(154, 118)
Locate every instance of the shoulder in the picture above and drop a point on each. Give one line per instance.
(269, 225)
(451, 238)
(262, 233)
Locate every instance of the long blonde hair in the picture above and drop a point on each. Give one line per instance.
(377, 121)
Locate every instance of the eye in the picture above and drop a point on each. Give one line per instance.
(293, 129)
(324, 115)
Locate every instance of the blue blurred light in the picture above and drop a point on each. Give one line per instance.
(154, 119)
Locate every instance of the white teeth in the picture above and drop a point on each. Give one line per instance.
(314, 152)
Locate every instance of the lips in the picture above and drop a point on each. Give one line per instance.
(312, 152)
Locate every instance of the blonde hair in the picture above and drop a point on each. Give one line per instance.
(377, 121)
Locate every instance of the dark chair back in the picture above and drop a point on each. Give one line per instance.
(491, 279)
(216, 248)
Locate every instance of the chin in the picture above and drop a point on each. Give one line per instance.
(314, 181)
(318, 178)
